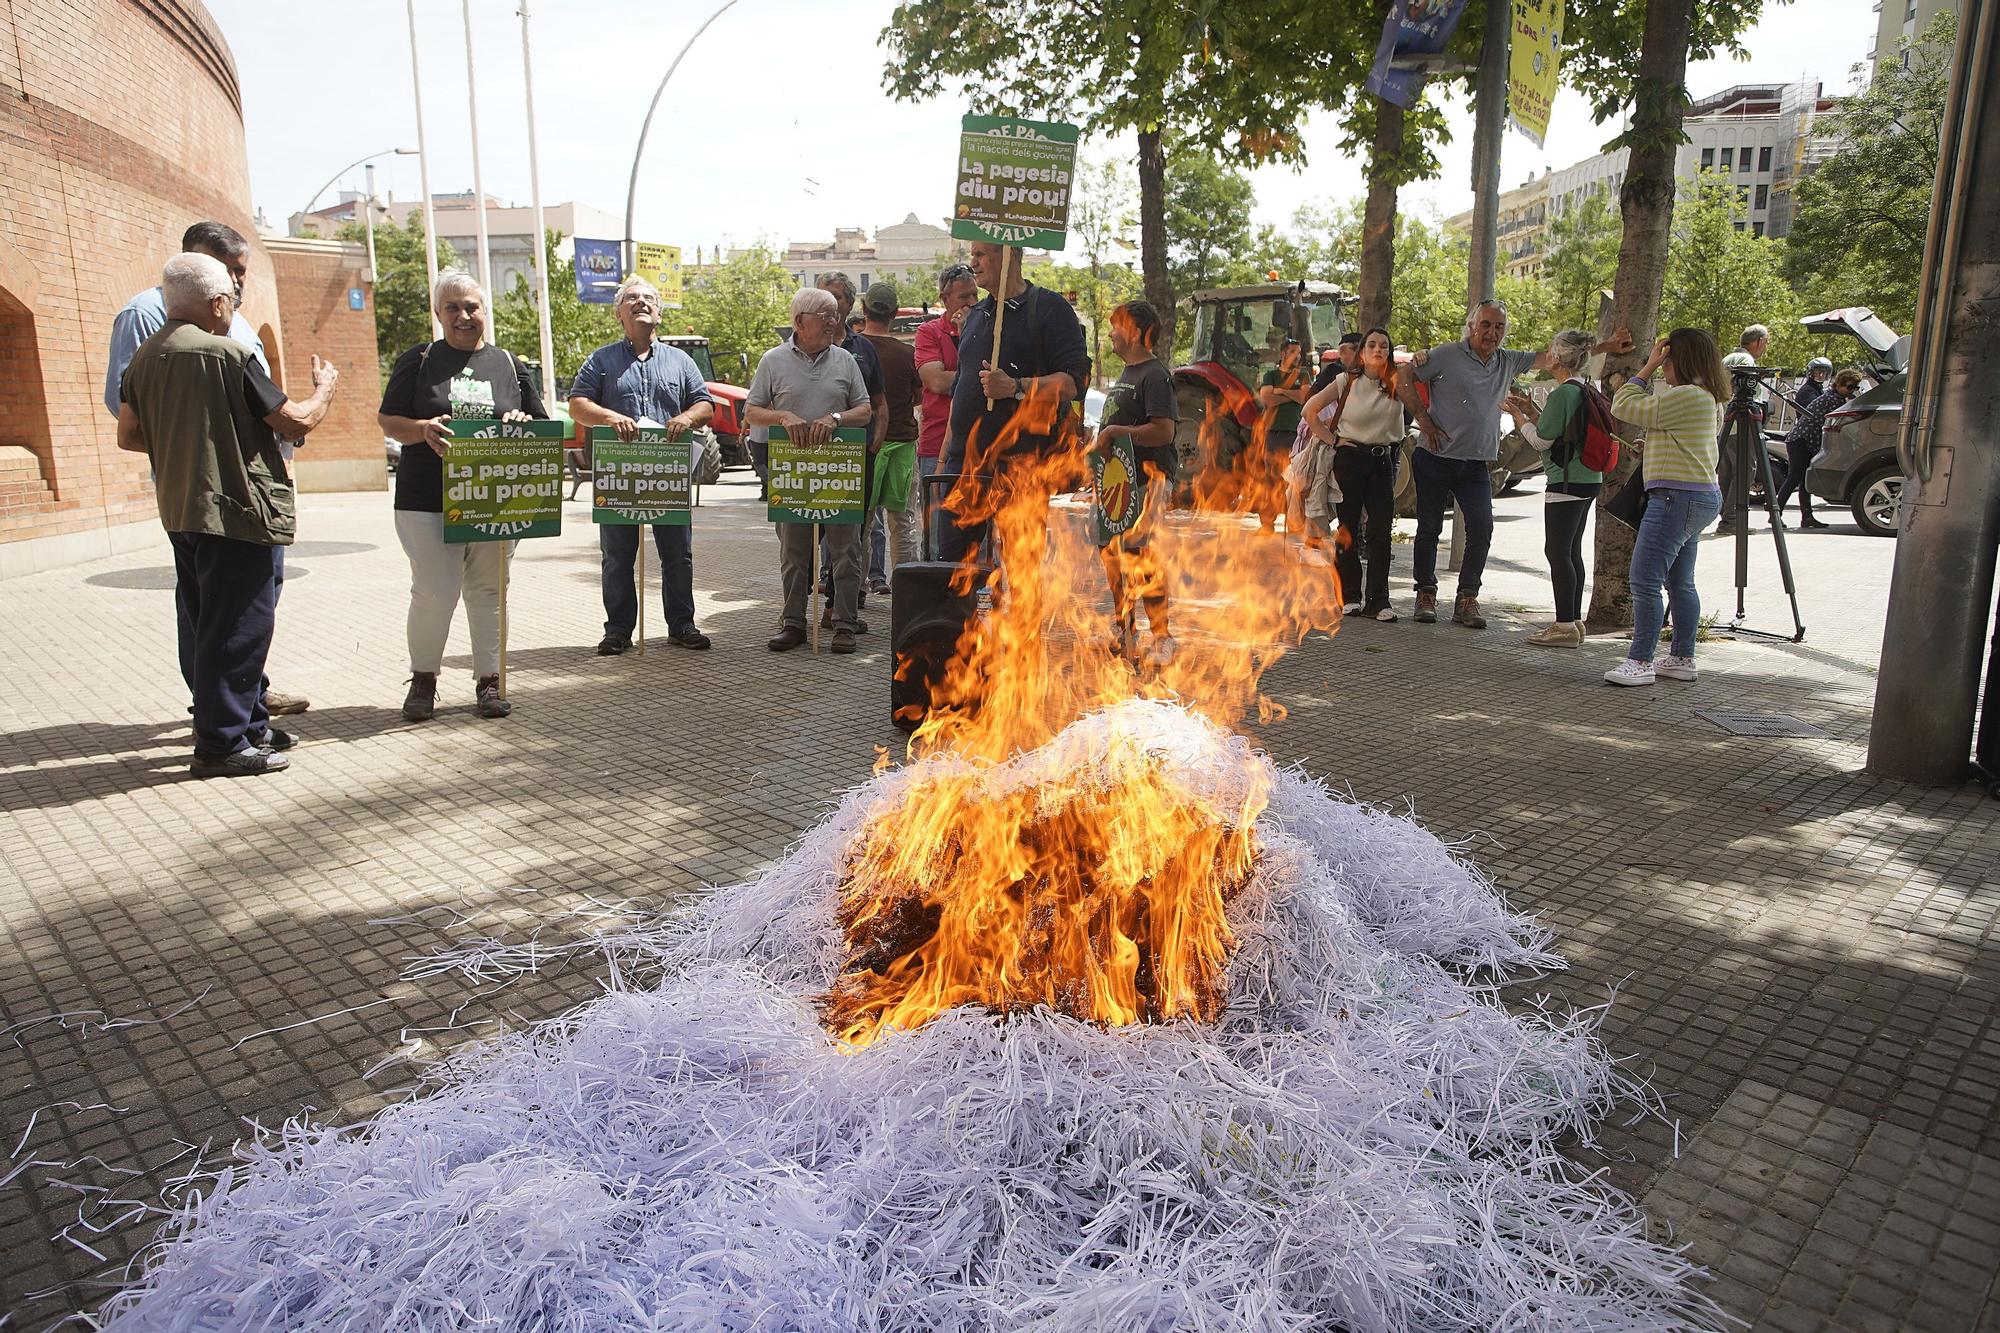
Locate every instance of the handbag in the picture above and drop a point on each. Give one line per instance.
(1629, 505)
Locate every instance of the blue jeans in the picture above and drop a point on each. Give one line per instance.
(618, 548)
(226, 599)
(1663, 555)
(1439, 481)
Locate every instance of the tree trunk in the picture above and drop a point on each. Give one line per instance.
(1153, 235)
(1378, 217)
(1646, 204)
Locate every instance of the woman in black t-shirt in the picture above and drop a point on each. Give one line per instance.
(1140, 408)
(460, 375)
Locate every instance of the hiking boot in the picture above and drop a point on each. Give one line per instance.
(1675, 668)
(1629, 672)
(490, 701)
(687, 636)
(421, 701)
(843, 641)
(1465, 611)
(243, 764)
(1427, 608)
(279, 704)
(786, 639)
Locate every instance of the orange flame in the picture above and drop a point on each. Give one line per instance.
(1099, 887)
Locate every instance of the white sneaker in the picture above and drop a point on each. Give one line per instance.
(1629, 672)
(1351, 609)
(1162, 650)
(1676, 668)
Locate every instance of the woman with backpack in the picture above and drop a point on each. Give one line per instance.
(1357, 427)
(1559, 431)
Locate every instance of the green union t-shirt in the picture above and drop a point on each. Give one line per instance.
(1285, 424)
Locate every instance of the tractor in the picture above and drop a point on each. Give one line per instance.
(729, 398)
(1239, 333)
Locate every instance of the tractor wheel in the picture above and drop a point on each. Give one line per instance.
(1198, 461)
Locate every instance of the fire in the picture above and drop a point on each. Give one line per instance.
(1098, 884)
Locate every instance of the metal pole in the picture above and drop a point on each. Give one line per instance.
(1489, 124)
(632, 189)
(478, 183)
(368, 216)
(1941, 595)
(541, 248)
(424, 176)
(399, 152)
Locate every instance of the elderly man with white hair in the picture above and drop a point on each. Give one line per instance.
(623, 384)
(812, 387)
(202, 408)
(459, 375)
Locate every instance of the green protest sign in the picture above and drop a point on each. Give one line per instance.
(1014, 181)
(1120, 491)
(503, 480)
(823, 485)
(645, 480)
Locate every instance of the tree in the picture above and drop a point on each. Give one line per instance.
(741, 305)
(1582, 260)
(402, 285)
(1102, 218)
(1428, 299)
(1720, 277)
(1208, 216)
(1861, 218)
(576, 328)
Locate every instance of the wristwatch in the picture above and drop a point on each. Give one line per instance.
(836, 421)
(1020, 391)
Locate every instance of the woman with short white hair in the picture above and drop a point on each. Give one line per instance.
(1557, 429)
(459, 375)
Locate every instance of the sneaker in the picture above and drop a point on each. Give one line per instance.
(1465, 611)
(1162, 651)
(1351, 609)
(1427, 608)
(1385, 615)
(489, 700)
(279, 704)
(843, 641)
(611, 645)
(243, 764)
(276, 741)
(786, 639)
(687, 636)
(1675, 668)
(1558, 635)
(421, 701)
(1629, 672)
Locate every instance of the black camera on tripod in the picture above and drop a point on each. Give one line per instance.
(1745, 379)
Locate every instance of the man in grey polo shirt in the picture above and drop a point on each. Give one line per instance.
(812, 387)
(1469, 381)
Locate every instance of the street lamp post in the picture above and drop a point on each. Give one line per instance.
(386, 152)
(632, 190)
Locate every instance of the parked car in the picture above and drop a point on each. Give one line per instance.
(1857, 464)
(395, 453)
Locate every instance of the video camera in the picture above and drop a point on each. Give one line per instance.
(1745, 381)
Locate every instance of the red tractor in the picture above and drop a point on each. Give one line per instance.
(729, 398)
(1240, 333)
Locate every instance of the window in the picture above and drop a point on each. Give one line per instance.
(1728, 161)
(1763, 196)
(1743, 159)
(1739, 226)
(1757, 228)
(1763, 159)
(1742, 196)
(1707, 158)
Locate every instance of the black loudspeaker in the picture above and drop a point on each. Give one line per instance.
(926, 618)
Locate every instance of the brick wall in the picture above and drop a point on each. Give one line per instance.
(314, 282)
(120, 124)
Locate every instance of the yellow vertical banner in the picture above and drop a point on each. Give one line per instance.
(661, 266)
(1536, 55)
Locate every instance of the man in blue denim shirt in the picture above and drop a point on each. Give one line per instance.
(621, 384)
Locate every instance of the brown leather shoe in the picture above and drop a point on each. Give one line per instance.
(1465, 611)
(1427, 608)
(843, 641)
(786, 639)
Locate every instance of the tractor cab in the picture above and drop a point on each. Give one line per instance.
(729, 398)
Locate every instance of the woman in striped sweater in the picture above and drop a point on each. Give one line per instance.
(1682, 419)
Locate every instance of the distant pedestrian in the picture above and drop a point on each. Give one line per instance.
(1557, 429)
(1818, 371)
(203, 410)
(1357, 429)
(1802, 444)
(459, 375)
(1681, 417)
(620, 385)
(874, 553)
(1749, 352)
(1262, 462)
(812, 387)
(143, 316)
(937, 367)
(896, 456)
(1140, 408)
(1346, 356)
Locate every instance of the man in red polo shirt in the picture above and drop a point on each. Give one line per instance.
(937, 366)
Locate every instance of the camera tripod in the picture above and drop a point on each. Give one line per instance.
(1743, 439)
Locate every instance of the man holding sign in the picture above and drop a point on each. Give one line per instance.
(811, 388)
(625, 384)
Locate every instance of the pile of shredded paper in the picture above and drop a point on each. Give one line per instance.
(1366, 1140)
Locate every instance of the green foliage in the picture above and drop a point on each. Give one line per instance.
(1858, 235)
(1208, 216)
(576, 329)
(741, 304)
(402, 286)
(1427, 297)
(1601, 41)
(1532, 316)
(1722, 279)
(1097, 294)
(1581, 261)
(1102, 220)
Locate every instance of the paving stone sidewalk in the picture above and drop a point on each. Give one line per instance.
(1800, 957)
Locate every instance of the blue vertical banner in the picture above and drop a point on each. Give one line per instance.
(1415, 28)
(600, 267)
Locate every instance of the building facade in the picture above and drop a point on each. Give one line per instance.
(511, 246)
(892, 254)
(328, 296)
(1898, 21)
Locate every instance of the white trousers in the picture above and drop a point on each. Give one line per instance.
(440, 576)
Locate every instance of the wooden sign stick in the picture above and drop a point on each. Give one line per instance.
(642, 590)
(503, 617)
(1000, 306)
(812, 591)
